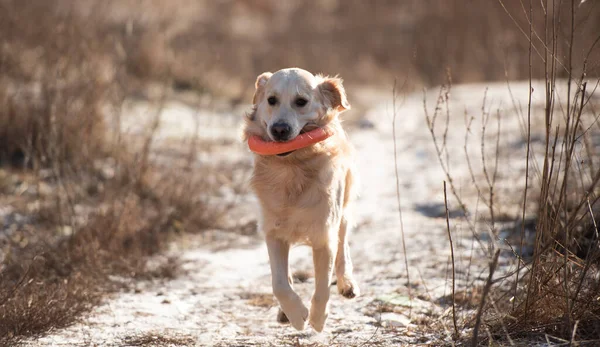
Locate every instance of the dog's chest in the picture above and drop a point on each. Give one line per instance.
(297, 201)
(286, 186)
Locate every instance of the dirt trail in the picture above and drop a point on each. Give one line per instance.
(224, 297)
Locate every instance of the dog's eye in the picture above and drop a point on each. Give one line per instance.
(272, 100)
(301, 102)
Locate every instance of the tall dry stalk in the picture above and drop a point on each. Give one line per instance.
(527, 155)
(454, 320)
(395, 111)
(486, 290)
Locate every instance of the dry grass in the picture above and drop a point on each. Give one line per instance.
(158, 340)
(552, 295)
(46, 87)
(264, 300)
(55, 269)
(85, 203)
(559, 292)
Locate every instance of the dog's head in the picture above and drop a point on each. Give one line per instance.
(292, 101)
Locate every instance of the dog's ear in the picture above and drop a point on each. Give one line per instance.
(261, 81)
(334, 94)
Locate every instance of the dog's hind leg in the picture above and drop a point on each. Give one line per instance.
(346, 284)
(290, 302)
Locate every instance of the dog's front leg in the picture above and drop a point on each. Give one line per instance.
(290, 302)
(323, 258)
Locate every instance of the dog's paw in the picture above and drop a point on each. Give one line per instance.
(296, 318)
(317, 320)
(349, 289)
(281, 317)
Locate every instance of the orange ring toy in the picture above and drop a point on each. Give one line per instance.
(262, 147)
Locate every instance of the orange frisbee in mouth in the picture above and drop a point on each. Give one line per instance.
(262, 147)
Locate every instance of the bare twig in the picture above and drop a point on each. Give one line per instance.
(573, 334)
(398, 195)
(530, 91)
(456, 334)
(486, 290)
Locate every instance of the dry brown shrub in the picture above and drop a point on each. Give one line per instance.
(551, 295)
(58, 79)
(96, 205)
(63, 269)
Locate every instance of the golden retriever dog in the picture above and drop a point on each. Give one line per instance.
(304, 195)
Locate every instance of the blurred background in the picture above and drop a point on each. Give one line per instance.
(220, 46)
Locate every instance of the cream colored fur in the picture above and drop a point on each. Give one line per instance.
(305, 196)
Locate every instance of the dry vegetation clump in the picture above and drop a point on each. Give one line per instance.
(57, 79)
(558, 292)
(552, 294)
(81, 203)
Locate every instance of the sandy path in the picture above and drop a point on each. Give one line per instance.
(224, 298)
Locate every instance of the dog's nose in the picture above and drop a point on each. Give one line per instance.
(281, 131)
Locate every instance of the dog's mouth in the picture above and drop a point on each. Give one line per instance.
(306, 128)
(285, 154)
